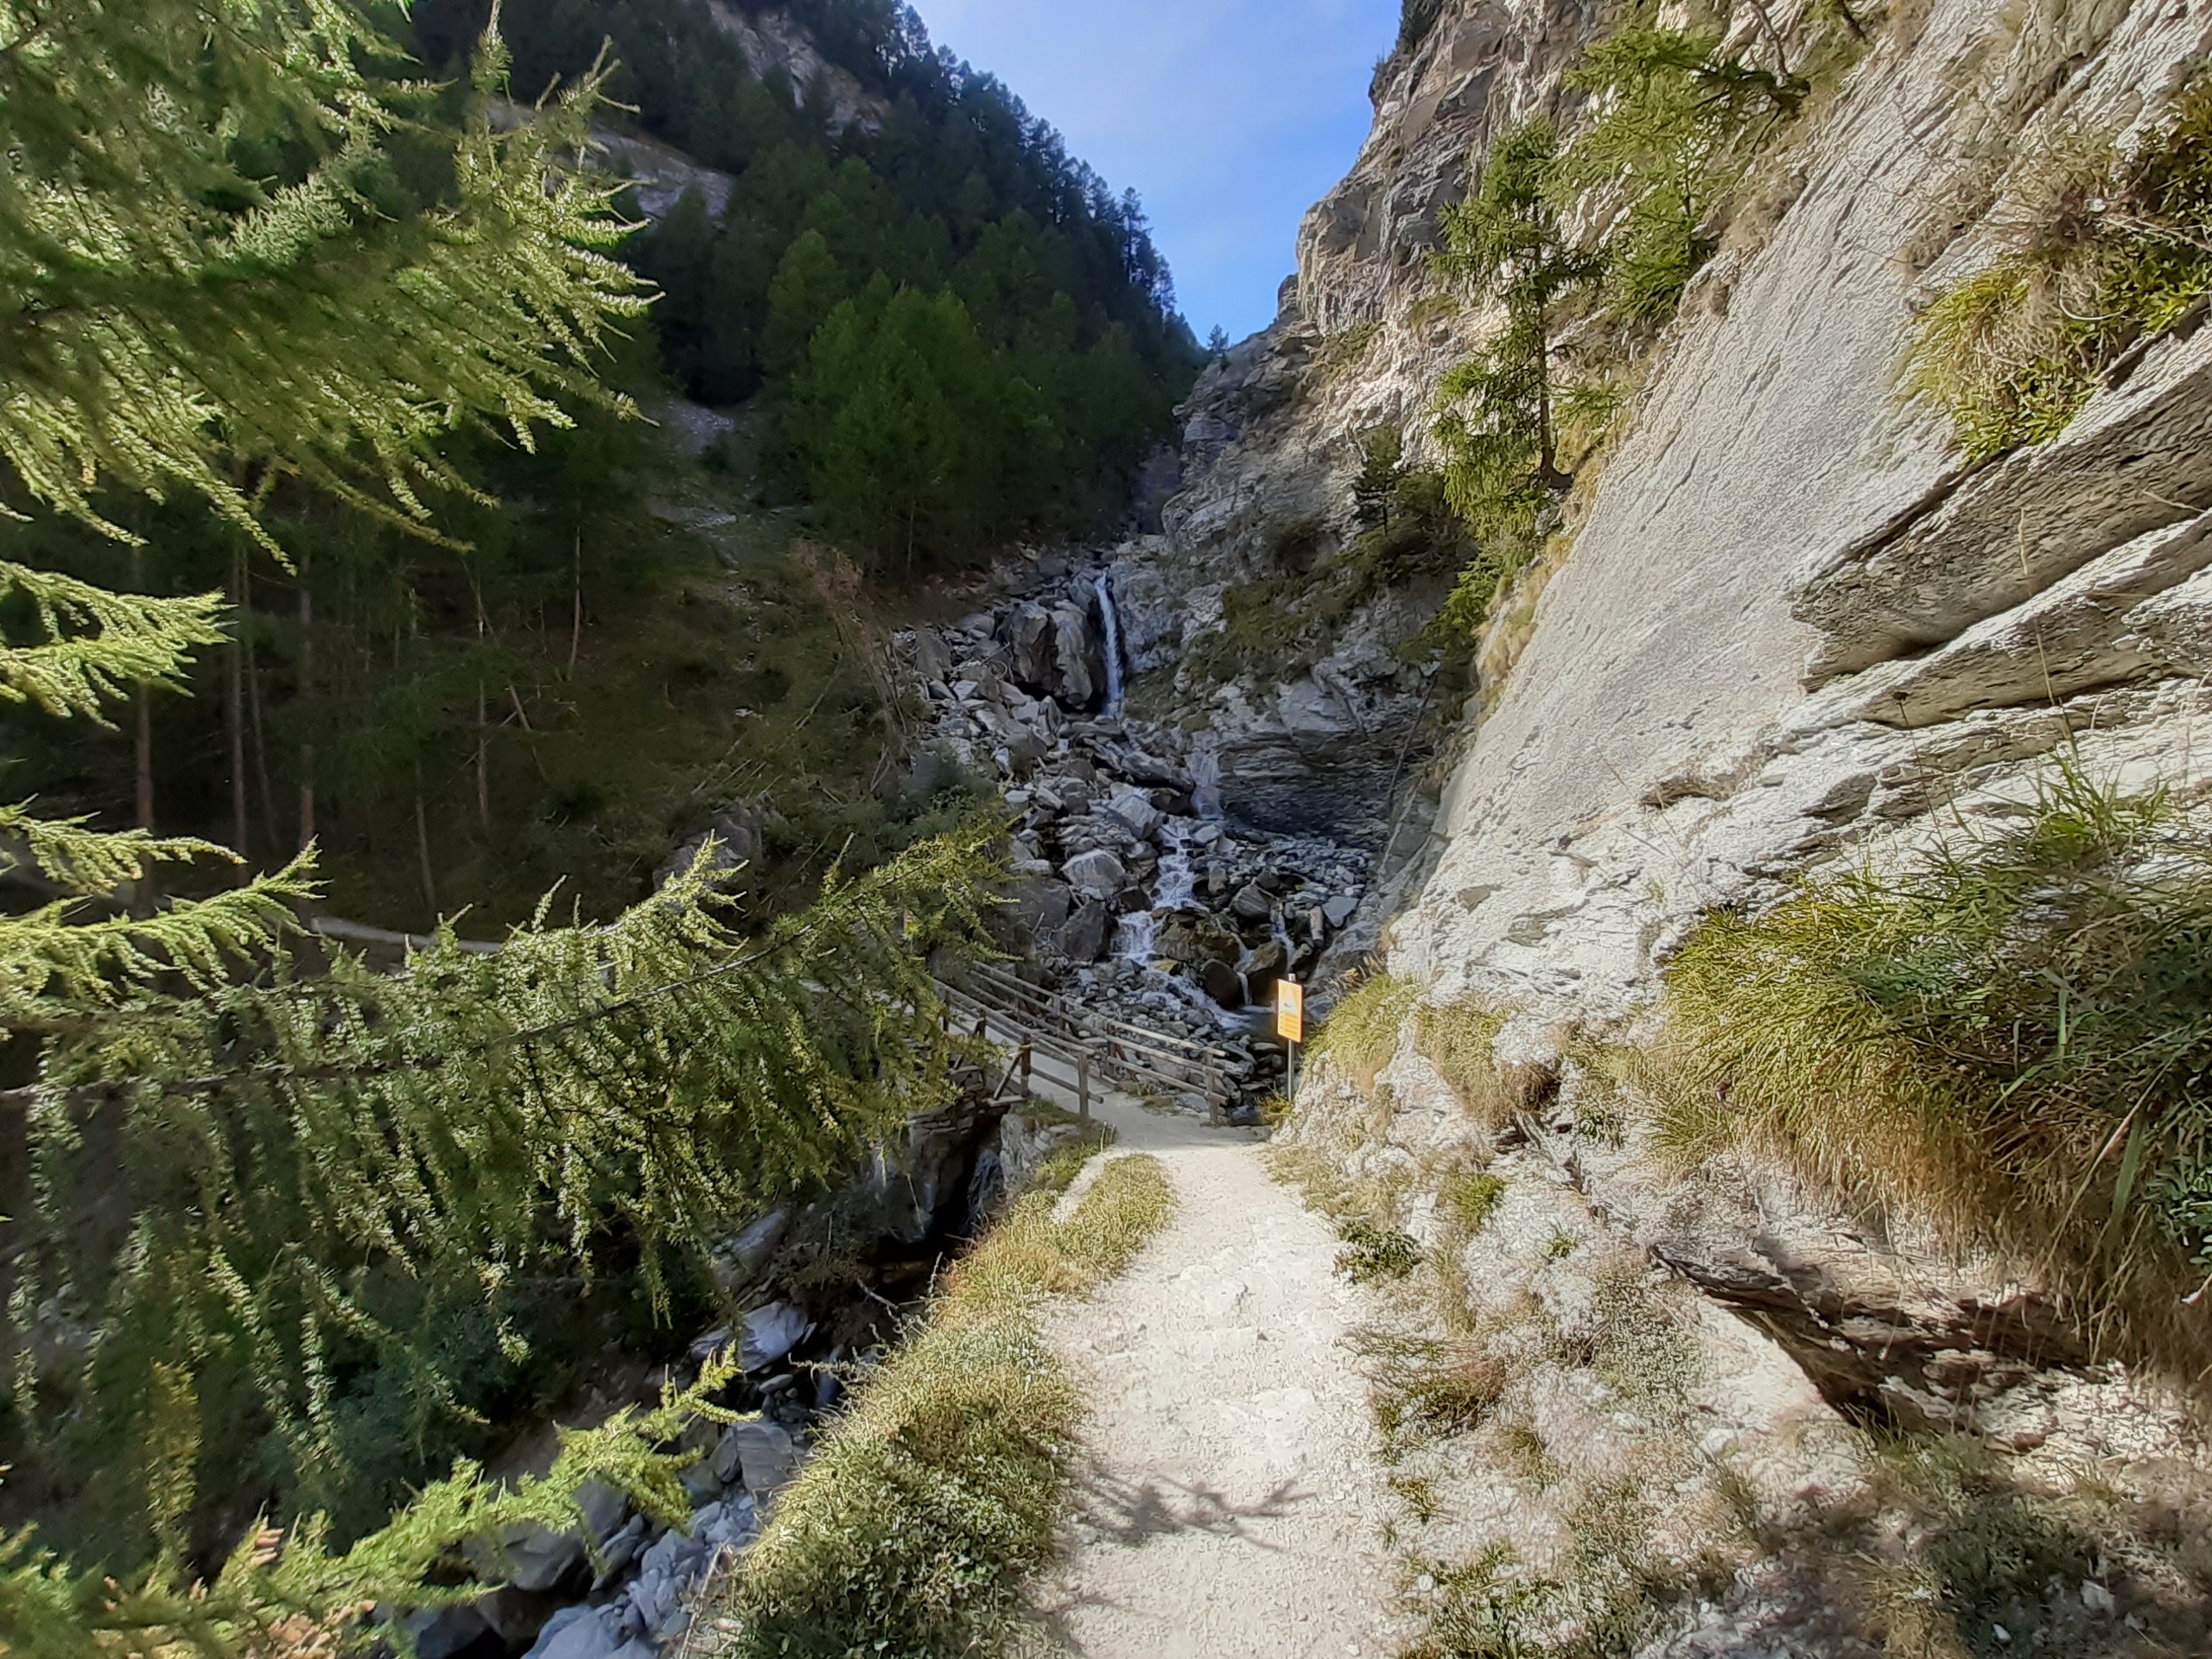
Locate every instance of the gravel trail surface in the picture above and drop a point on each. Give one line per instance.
(1232, 1504)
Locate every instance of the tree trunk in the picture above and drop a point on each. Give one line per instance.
(143, 890)
(577, 621)
(253, 712)
(422, 852)
(234, 711)
(307, 706)
(483, 761)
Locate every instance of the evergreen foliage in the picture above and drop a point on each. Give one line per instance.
(1505, 243)
(288, 1594)
(1673, 125)
(945, 185)
(251, 270)
(1676, 121)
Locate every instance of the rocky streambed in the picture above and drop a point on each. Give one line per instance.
(1143, 894)
(824, 1286)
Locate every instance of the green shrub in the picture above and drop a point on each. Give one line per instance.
(2014, 1035)
(1372, 1253)
(2101, 250)
(910, 1532)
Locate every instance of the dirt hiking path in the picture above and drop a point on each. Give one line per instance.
(1230, 1506)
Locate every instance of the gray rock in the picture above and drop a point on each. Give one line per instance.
(770, 1332)
(1042, 905)
(442, 1632)
(1136, 811)
(533, 1559)
(1252, 903)
(931, 659)
(1083, 937)
(1028, 635)
(1338, 910)
(1076, 686)
(1222, 983)
(766, 1456)
(1097, 875)
(580, 1633)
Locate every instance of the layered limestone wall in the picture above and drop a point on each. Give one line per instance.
(1778, 520)
(1793, 629)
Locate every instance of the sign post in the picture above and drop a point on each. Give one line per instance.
(1290, 1024)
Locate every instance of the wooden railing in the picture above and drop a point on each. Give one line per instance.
(1098, 1047)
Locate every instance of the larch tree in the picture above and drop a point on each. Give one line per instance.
(1506, 245)
(223, 276)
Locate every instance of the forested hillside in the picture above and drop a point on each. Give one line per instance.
(964, 334)
(937, 332)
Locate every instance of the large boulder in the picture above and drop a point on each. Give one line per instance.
(770, 1332)
(762, 1452)
(536, 1559)
(1029, 641)
(1096, 874)
(1074, 651)
(1222, 983)
(1042, 905)
(1083, 938)
(933, 659)
(1134, 808)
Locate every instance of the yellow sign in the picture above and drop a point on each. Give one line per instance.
(1290, 1010)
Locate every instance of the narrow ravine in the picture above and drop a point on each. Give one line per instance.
(1230, 1504)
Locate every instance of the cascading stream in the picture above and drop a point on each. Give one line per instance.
(1110, 621)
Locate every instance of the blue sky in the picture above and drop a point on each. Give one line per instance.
(1230, 117)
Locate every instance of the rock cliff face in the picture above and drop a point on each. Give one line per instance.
(1794, 626)
(1793, 617)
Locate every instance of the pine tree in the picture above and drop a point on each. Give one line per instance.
(192, 316)
(1505, 243)
(222, 284)
(1677, 120)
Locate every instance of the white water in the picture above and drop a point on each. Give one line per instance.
(1112, 620)
(1174, 886)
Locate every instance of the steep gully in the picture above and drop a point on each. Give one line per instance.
(1141, 894)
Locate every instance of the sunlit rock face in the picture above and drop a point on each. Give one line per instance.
(1795, 627)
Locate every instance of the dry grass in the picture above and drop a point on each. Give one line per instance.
(1361, 1034)
(1460, 1039)
(2010, 1039)
(911, 1531)
(1427, 1389)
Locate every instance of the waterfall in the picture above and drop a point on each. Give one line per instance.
(1111, 619)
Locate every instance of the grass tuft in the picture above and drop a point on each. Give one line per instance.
(911, 1531)
(2014, 1038)
(2101, 249)
(1373, 1253)
(1460, 1039)
(1361, 1032)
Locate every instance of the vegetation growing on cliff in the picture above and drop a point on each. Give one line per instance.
(2100, 249)
(1676, 122)
(2012, 1035)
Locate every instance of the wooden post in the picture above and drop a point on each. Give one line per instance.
(1082, 1086)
